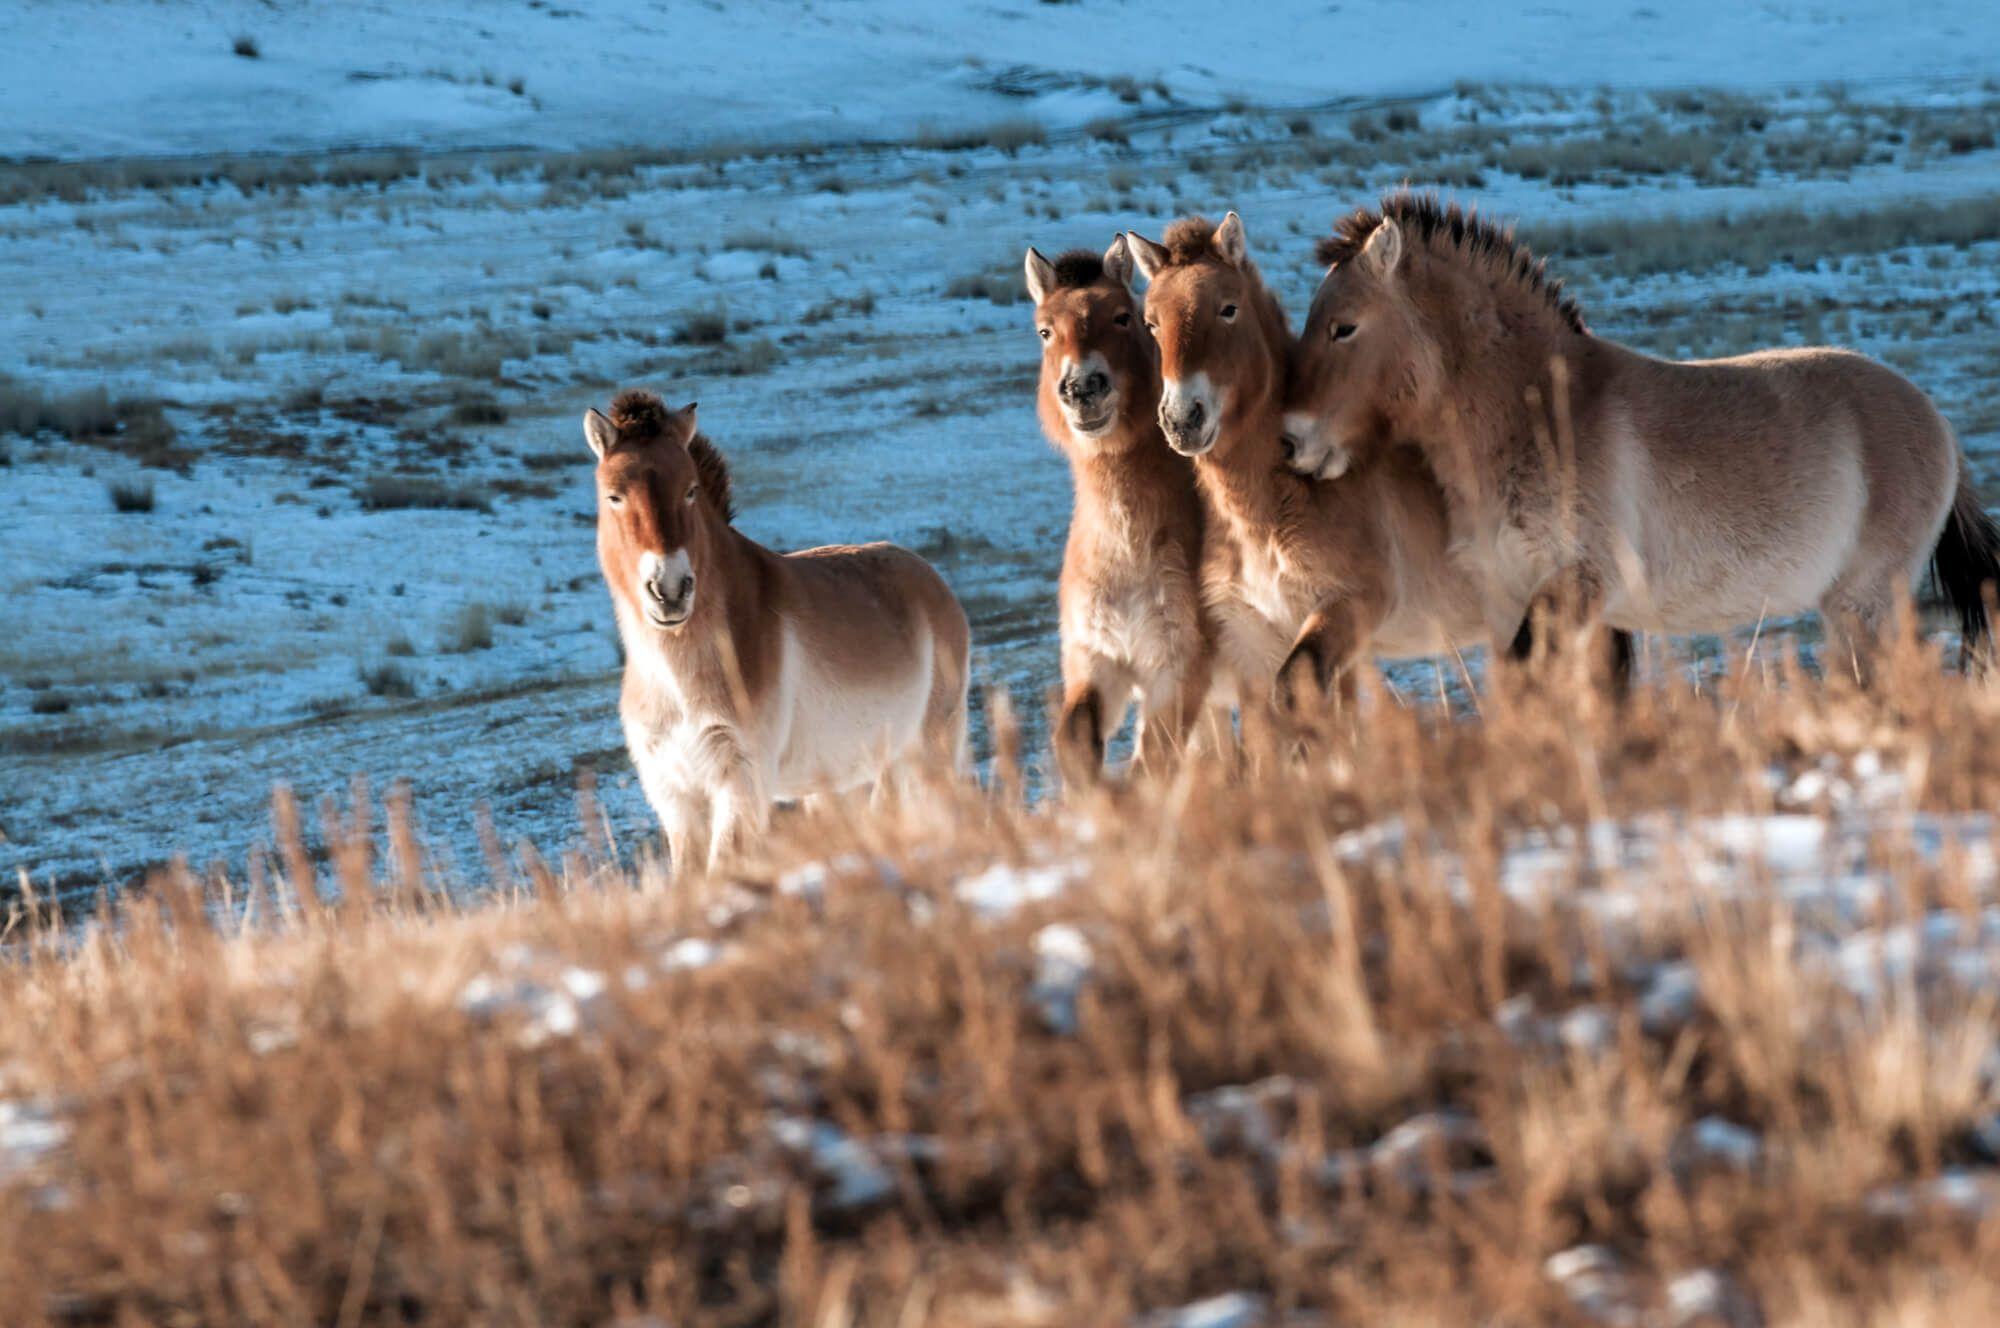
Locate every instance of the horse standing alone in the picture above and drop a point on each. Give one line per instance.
(751, 675)
(1132, 624)
(1648, 494)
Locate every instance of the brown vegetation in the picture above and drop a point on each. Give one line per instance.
(1365, 1074)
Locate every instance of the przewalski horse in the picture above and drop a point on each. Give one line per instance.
(751, 675)
(1130, 606)
(1655, 496)
(1305, 580)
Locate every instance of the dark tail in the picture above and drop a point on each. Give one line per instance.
(1967, 561)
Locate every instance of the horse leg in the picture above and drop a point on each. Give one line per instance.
(1324, 655)
(683, 819)
(1566, 613)
(739, 810)
(1854, 617)
(1172, 711)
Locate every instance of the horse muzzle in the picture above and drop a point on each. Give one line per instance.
(668, 607)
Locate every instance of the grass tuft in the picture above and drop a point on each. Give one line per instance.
(130, 495)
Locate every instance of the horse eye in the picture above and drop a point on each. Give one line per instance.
(1123, 320)
(691, 489)
(1228, 313)
(1343, 331)
(1043, 333)
(615, 499)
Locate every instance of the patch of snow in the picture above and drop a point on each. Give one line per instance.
(1063, 961)
(1003, 889)
(29, 1133)
(1713, 1139)
(1234, 1309)
(690, 952)
(856, 1175)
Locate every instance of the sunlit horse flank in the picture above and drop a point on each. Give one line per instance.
(1132, 624)
(1305, 580)
(749, 675)
(1648, 494)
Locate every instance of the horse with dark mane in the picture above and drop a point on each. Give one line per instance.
(1131, 617)
(1649, 494)
(752, 675)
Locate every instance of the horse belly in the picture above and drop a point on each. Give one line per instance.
(842, 729)
(1410, 634)
(1704, 572)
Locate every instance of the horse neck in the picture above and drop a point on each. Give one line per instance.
(1132, 471)
(1490, 415)
(1244, 476)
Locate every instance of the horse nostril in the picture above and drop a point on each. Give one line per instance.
(687, 588)
(1291, 446)
(1096, 385)
(1196, 413)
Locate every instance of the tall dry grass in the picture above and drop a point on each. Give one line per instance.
(1297, 1024)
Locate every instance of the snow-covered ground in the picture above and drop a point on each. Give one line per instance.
(115, 77)
(428, 327)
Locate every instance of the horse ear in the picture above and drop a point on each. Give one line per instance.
(1041, 274)
(1149, 257)
(684, 417)
(1230, 242)
(1384, 248)
(597, 431)
(1118, 261)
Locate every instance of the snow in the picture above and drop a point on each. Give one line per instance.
(856, 1176)
(29, 1133)
(212, 648)
(1003, 888)
(330, 73)
(1234, 1309)
(1063, 961)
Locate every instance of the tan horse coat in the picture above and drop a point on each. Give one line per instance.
(1671, 497)
(1132, 624)
(750, 675)
(1304, 580)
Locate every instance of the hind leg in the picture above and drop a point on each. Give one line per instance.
(1856, 612)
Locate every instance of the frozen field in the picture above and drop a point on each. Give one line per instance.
(342, 387)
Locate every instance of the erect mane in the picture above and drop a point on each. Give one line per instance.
(1078, 268)
(641, 418)
(1190, 240)
(1426, 220)
(714, 473)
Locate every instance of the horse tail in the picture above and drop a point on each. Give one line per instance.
(1966, 561)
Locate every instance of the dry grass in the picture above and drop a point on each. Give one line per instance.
(1381, 1084)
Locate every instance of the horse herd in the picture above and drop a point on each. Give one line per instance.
(1444, 456)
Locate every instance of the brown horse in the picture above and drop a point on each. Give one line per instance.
(1655, 496)
(751, 675)
(1132, 622)
(1304, 579)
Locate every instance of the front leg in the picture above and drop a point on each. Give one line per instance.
(740, 807)
(1080, 734)
(1566, 615)
(1323, 658)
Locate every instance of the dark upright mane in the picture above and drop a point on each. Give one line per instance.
(1427, 221)
(1189, 240)
(641, 418)
(1078, 268)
